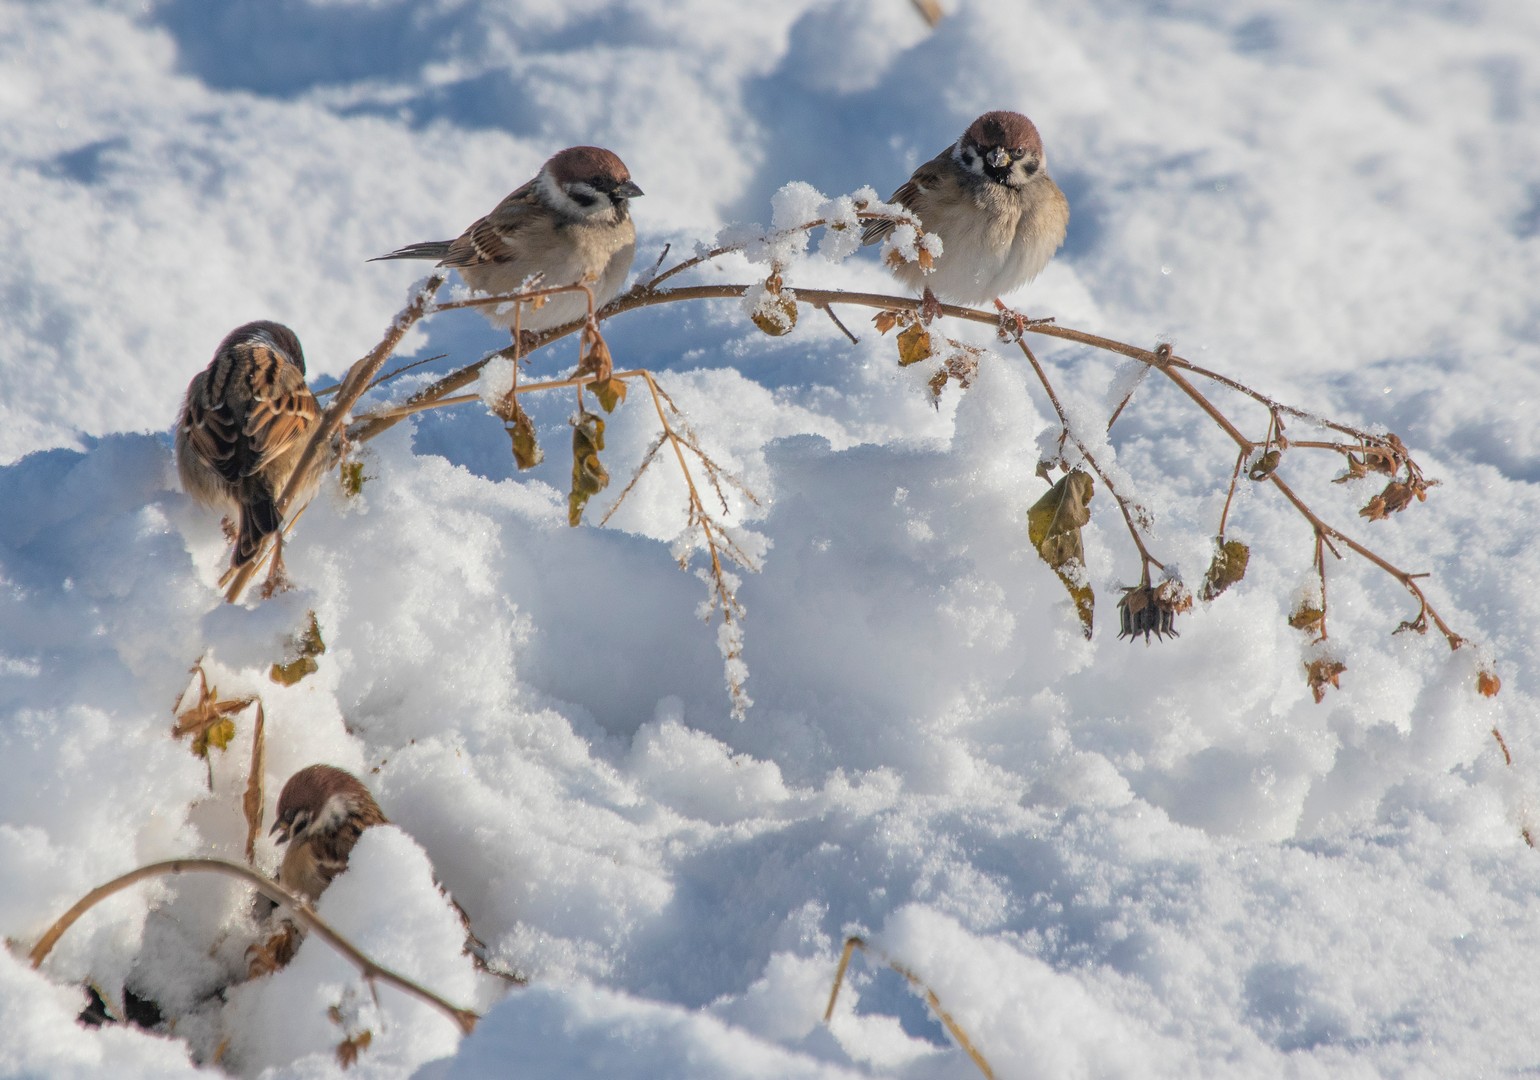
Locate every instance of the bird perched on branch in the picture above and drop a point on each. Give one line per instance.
(990, 199)
(570, 225)
(243, 426)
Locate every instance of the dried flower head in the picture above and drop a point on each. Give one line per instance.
(1152, 609)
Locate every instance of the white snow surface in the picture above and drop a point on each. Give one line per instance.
(1106, 860)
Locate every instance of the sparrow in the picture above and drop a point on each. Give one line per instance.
(571, 224)
(990, 199)
(244, 423)
(322, 811)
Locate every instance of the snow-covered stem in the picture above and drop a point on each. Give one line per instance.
(646, 294)
(301, 911)
(1148, 560)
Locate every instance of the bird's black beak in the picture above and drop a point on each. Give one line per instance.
(628, 190)
(281, 831)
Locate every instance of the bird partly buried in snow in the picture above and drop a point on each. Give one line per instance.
(243, 427)
(322, 812)
(990, 199)
(570, 225)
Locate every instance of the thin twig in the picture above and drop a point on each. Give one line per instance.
(1128, 519)
(930, 11)
(1171, 366)
(1235, 475)
(354, 383)
(829, 311)
(931, 999)
(301, 911)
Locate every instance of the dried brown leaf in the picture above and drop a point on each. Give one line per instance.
(287, 674)
(521, 436)
(349, 1049)
(1396, 497)
(1323, 672)
(776, 317)
(1487, 683)
(1055, 520)
(1307, 617)
(1265, 465)
(885, 321)
(1053, 526)
(304, 647)
(913, 345)
(208, 720)
(1228, 567)
(589, 477)
(609, 392)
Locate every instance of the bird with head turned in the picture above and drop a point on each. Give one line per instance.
(571, 224)
(990, 199)
(322, 812)
(242, 429)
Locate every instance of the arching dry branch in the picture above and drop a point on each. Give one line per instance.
(1148, 607)
(465, 1019)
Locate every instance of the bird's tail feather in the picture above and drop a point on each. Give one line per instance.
(429, 249)
(259, 520)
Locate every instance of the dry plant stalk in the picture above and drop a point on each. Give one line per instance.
(301, 911)
(319, 449)
(952, 1027)
(1147, 607)
(252, 800)
(930, 11)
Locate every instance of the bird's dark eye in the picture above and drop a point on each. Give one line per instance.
(1018, 153)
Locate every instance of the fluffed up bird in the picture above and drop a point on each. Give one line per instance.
(990, 199)
(243, 426)
(571, 224)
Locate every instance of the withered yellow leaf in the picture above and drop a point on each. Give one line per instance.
(589, 476)
(609, 392)
(1265, 466)
(777, 318)
(1053, 526)
(521, 435)
(215, 736)
(292, 672)
(913, 345)
(1228, 567)
(1307, 617)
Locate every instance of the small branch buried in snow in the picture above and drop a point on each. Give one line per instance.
(465, 1019)
(957, 1033)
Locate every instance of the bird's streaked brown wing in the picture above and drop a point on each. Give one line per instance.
(910, 195)
(492, 238)
(283, 410)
